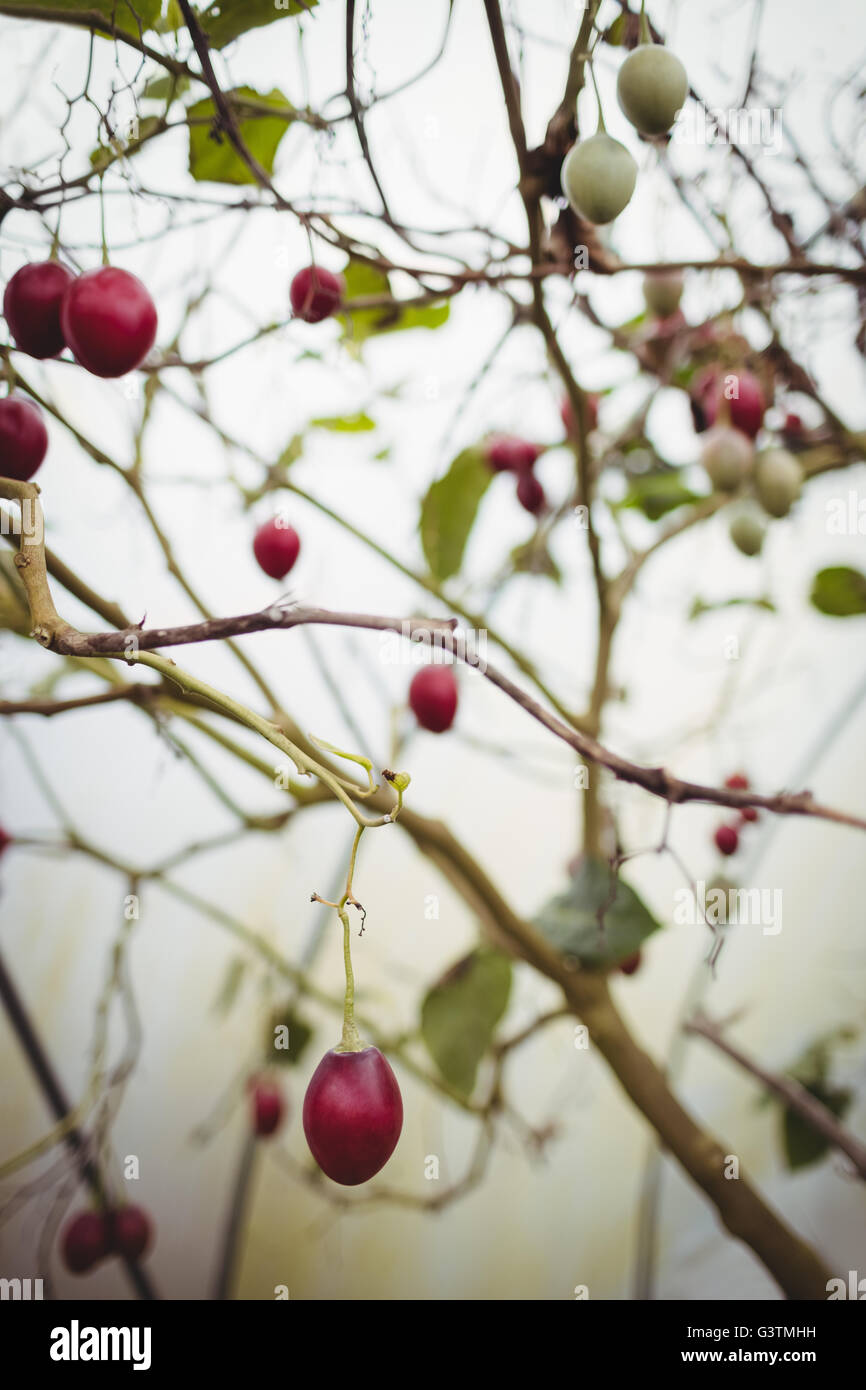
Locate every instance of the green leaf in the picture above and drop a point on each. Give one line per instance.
(213, 159)
(423, 316)
(103, 155)
(615, 32)
(449, 510)
(131, 16)
(839, 592)
(459, 1014)
(165, 88)
(345, 424)
(226, 20)
(292, 452)
(534, 558)
(599, 920)
(802, 1144)
(366, 282)
(656, 494)
(286, 1047)
(172, 20)
(700, 606)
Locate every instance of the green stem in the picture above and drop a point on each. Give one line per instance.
(305, 765)
(601, 125)
(645, 35)
(351, 1040)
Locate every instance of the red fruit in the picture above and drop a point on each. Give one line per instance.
(131, 1232)
(316, 293)
(739, 391)
(109, 321)
(276, 548)
(737, 782)
(433, 698)
(23, 438)
(505, 454)
(727, 839)
(793, 426)
(31, 306)
(353, 1114)
(5, 839)
(86, 1241)
(630, 964)
(269, 1105)
(530, 493)
(567, 415)
(748, 813)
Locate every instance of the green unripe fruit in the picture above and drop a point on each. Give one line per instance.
(651, 87)
(778, 480)
(598, 178)
(663, 290)
(726, 456)
(747, 531)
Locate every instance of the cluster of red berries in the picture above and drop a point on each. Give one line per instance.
(727, 837)
(106, 317)
(92, 1236)
(504, 453)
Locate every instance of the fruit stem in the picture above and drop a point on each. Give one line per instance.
(105, 260)
(645, 35)
(351, 1040)
(601, 125)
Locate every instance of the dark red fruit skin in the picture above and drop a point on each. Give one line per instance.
(269, 1106)
(109, 321)
(316, 293)
(86, 1240)
(568, 420)
(748, 814)
(506, 454)
(746, 408)
(5, 839)
(630, 964)
(276, 548)
(131, 1232)
(31, 307)
(737, 782)
(530, 494)
(433, 698)
(727, 839)
(793, 426)
(353, 1115)
(23, 438)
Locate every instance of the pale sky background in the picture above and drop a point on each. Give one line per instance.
(535, 1229)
